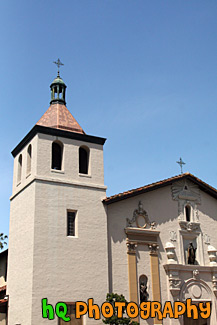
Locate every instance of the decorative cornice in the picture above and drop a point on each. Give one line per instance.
(142, 236)
(189, 267)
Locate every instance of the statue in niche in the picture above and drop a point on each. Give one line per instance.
(191, 254)
(143, 292)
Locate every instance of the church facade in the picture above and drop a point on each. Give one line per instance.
(69, 242)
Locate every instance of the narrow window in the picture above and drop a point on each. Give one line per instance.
(71, 223)
(188, 213)
(29, 159)
(83, 160)
(19, 174)
(57, 150)
(143, 286)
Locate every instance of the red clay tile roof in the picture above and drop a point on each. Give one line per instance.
(150, 187)
(58, 117)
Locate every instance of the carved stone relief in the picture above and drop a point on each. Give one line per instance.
(185, 190)
(214, 283)
(153, 248)
(189, 226)
(196, 274)
(174, 283)
(187, 194)
(140, 218)
(206, 239)
(195, 289)
(173, 235)
(131, 247)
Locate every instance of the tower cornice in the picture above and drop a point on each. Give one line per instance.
(56, 132)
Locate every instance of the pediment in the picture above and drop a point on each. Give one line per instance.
(185, 190)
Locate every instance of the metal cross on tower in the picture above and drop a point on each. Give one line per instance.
(58, 63)
(181, 163)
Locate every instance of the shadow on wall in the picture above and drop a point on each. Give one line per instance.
(158, 204)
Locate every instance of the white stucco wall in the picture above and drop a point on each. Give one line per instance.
(69, 268)
(20, 256)
(70, 163)
(162, 209)
(26, 176)
(43, 261)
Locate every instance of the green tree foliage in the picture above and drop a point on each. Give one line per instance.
(2, 240)
(114, 320)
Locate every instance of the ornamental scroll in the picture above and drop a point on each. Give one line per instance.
(140, 218)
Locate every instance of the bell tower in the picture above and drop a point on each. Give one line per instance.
(58, 91)
(58, 87)
(58, 224)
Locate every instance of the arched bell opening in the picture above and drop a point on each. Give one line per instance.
(57, 155)
(83, 160)
(29, 159)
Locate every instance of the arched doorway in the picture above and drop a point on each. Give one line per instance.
(199, 292)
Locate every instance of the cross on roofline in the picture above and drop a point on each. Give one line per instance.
(181, 163)
(58, 63)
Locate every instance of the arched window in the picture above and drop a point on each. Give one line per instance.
(29, 159)
(19, 172)
(83, 160)
(143, 286)
(57, 153)
(188, 213)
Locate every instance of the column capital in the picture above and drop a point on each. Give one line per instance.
(131, 247)
(153, 249)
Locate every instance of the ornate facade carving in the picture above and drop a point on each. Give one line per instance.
(174, 283)
(189, 226)
(170, 251)
(212, 255)
(131, 247)
(140, 218)
(185, 190)
(214, 283)
(173, 235)
(196, 274)
(153, 248)
(186, 193)
(174, 286)
(196, 289)
(206, 238)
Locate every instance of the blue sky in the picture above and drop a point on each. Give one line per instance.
(140, 73)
